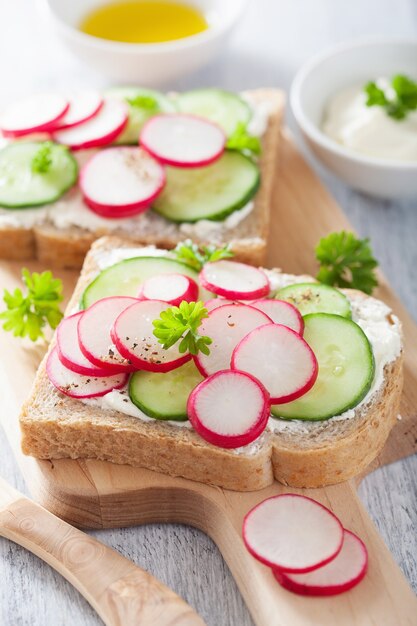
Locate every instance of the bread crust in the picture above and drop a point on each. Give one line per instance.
(66, 248)
(55, 426)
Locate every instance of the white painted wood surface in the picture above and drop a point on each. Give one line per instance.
(274, 38)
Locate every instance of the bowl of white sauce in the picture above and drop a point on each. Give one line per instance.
(356, 106)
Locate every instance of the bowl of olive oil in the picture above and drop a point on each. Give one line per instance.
(150, 41)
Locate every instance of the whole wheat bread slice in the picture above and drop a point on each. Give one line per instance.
(67, 247)
(55, 426)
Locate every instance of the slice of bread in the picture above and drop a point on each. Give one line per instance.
(296, 453)
(67, 247)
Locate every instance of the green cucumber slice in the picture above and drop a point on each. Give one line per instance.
(211, 192)
(346, 369)
(20, 187)
(222, 107)
(125, 277)
(138, 115)
(164, 396)
(316, 298)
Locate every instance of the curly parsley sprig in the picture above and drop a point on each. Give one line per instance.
(27, 315)
(189, 253)
(346, 261)
(180, 323)
(397, 104)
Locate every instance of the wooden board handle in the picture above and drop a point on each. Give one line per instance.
(121, 593)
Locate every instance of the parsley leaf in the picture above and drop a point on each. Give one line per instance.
(181, 323)
(142, 101)
(42, 160)
(399, 105)
(243, 141)
(346, 261)
(196, 257)
(26, 316)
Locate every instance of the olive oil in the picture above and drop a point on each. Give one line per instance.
(144, 21)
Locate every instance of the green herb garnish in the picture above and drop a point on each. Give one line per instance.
(346, 261)
(241, 140)
(189, 253)
(403, 101)
(142, 101)
(42, 160)
(182, 322)
(27, 315)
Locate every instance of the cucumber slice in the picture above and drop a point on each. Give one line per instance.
(138, 115)
(316, 298)
(164, 396)
(124, 278)
(211, 192)
(346, 369)
(225, 108)
(20, 187)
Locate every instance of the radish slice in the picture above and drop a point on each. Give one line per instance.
(292, 533)
(281, 312)
(229, 409)
(215, 303)
(37, 113)
(234, 280)
(170, 288)
(133, 336)
(226, 326)
(94, 333)
(280, 358)
(183, 140)
(79, 386)
(82, 107)
(69, 351)
(120, 182)
(345, 571)
(99, 130)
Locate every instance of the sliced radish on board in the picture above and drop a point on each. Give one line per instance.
(170, 288)
(69, 351)
(345, 571)
(229, 409)
(133, 336)
(94, 336)
(234, 280)
(83, 105)
(183, 140)
(120, 182)
(37, 113)
(281, 312)
(280, 358)
(215, 303)
(79, 386)
(292, 533)
(226, 326)
(99, 130)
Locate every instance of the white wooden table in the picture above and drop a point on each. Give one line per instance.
(274, 38)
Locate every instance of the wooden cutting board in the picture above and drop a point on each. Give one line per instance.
(96, 494)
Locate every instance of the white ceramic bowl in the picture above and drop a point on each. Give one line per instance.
(149, 64)
(330, 72)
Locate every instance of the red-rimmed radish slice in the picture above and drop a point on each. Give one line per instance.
(183, 140)
(77, 385)
(37, 113)
(226, 326)
(215, 303)
(234, 280)
(94, 335)
(69, 351)
(229, 409)
(292, 533)
(133, 336)
(120, 182)
(83, 105)
(280, 358)
(170, 288)
(281, 312)
(344, 572)
(99, 130)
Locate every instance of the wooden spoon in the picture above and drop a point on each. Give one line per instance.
(120, 592)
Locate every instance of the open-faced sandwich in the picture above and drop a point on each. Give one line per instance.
(71, 170)
(274, 376)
